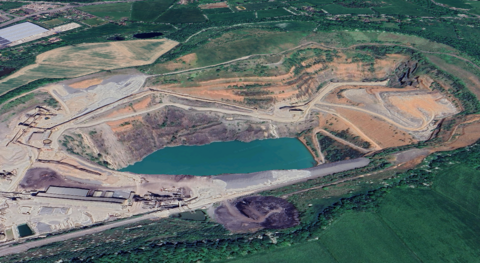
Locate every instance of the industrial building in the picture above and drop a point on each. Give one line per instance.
(81, 194)
(67, 191)
(19, 31)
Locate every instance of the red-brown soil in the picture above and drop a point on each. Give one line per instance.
(381, 132)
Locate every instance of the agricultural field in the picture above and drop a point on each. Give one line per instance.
(149, 10)
(340, 10)
(430, 224)
(262, 6)
(87, 58)
(5, 6)
(94, 21)
(235, 44)
(182, 15)
(273, 13)
(114, 11)
(461, 184)
(240, 16)
(475, 7)
(312, 252)
(455, 3)
(54, 22)
(320, 2)
(216, 11)
(401, 7)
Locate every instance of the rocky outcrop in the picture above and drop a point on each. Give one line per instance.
(120, 146)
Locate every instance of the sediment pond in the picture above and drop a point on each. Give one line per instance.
(226, 157)
(24, 230)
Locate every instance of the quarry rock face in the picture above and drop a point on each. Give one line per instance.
(133, 140)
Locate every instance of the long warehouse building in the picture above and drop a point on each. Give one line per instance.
(20, 31)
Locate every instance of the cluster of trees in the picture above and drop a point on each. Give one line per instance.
(346, 135)
(336, 151)
(469, 101)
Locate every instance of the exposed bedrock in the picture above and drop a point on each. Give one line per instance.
(128, 142)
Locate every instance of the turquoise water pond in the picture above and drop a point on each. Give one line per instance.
(226, 157)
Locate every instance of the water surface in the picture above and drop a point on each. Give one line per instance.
(24, 230)
(226, 157)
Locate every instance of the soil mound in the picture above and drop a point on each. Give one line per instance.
(41, 178)
(257, 212)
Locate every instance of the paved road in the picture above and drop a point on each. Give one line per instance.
(26, 246)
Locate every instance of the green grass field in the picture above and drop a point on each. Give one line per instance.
(273, 13)
(149, 10)
(182, 15)
(462, 186)
(469, 33)
(94, 21)
(455, 3)
(475, 7)
(54, 22)
(320, 2)
(401, 7)
(436, 229)
(216, 11)
(233, 16)
(312, 252)
(5, 6)
(220, 50)
(114, 11)
(363, 237)
(340, 10)
(261, 6)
